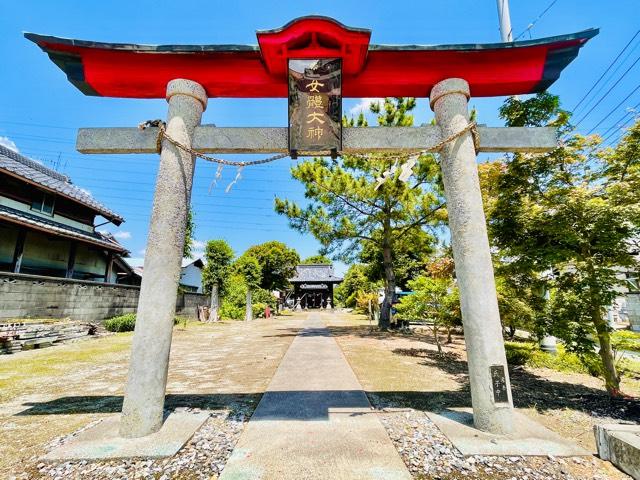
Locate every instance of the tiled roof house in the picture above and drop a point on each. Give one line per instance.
(47, 225)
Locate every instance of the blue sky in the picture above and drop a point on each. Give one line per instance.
(40, 111)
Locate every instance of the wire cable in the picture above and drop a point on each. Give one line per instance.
(612, 111)
(605, 72)
(532, 24)
(607, 93)
(622, 120)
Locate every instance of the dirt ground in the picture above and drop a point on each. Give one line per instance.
(49, 393)
(405, 371)
(407, 368)
(52, 392)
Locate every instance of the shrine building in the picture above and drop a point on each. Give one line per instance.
(313, 286)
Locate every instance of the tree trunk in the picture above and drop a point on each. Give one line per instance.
(215, 303)
(435, 336)
(384, 320)
(611, 378)
(248, 314)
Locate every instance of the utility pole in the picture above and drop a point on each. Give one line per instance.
(505, 20)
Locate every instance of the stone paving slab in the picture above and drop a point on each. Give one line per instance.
(528, 438)
(314, 421)
(102, 441)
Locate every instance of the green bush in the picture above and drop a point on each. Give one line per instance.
(127, 322)
(258, 309)
(518, 353)
(123, 323)
(229, 311)
(625, 340)
(233, 303)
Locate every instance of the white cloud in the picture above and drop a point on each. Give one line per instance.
(135, 261)
(118, 235)
(363, 105)
(86, 192)
(198, 244)
(10, 144)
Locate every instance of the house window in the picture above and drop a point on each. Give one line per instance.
(44, 203)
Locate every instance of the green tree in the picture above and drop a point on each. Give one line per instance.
(349, 207)
(187, 248)
(573, 212)
(409, 255)
(316, 260)
(433, 299)
(219, 256)
(249, 269)
(355, 281)
(277, 264)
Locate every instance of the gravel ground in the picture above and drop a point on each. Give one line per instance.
(203, 457)
(429, 455)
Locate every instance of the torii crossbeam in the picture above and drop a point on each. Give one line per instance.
(188, 75)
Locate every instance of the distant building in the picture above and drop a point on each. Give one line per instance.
(313, 286)
(47, 226)
(191, 275)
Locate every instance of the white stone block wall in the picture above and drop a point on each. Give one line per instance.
(633, 310)
(34, 296)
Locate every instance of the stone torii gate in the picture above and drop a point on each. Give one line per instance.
(188, 75)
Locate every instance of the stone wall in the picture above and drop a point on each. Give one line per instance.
(33, 296)
(633, 310)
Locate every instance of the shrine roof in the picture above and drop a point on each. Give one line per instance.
(315, 273)
(369, 70)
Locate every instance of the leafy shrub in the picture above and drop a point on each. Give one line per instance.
(229, 311)
(562, 361)
(258, 309)
(127, 323)
(234, 301)
(123, 323)
(625, 340)
(260, 295)
(529, 354)
(518, 353)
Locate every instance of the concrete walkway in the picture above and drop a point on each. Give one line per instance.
(314, 421)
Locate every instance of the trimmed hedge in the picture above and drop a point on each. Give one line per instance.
(122, 323)
(126, 323)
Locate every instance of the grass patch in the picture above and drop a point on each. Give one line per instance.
(19, 370)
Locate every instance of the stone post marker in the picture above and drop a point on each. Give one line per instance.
(488, 374)
(142, 412)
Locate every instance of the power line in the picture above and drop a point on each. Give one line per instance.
(607, 92)
(605, 72)
(619, 132)
(532, 24)
(621, 119)
(614, 109)
(39, 125)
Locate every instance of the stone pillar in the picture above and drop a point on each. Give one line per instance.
(488, 374)
(142, 412)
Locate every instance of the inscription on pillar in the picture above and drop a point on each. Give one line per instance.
(499, 384)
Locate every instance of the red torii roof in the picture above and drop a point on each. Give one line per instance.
(143, 71)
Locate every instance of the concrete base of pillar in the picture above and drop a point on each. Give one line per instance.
(528, 438)
(102, 441)
(620, 444)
